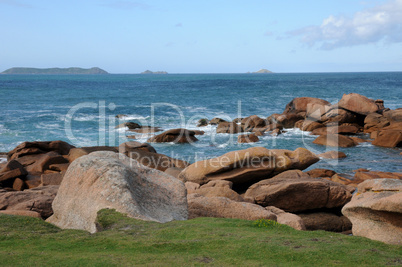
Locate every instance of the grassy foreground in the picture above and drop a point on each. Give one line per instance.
(218, 242)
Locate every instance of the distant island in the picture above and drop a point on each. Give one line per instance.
(263, 71)
(55, 71)
(154, 72)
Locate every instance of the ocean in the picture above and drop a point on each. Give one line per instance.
(81, 110)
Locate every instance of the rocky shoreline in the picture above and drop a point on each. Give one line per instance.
(67, 185)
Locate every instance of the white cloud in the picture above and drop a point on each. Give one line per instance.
(372, 25)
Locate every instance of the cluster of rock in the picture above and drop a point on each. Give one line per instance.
(335, 124)
(29, 180)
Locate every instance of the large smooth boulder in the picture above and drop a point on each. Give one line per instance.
(300, 104)
(298, 194)
(248, 165)
(376, 210)
(360, 104)
(29, 148)
(222, 207)
(38, 199)
(108, 180)
(390, 136)
(175, 136)
(335, 140)
(153, 160)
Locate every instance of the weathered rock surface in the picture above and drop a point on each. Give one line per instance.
(218, 188)
(284, 120)
(248, 165)
(374, 122)
(247, 138)
(229, 128)
(287, 218)
(340, 116)
(360, 104)
(175, 136)
(133, 146)
(390, 136)
(109, 180)
(155, 160)
(309, 125)
(335, 140)
(300, 194)
(12, 169)
(37, 199)
(253, 122)
(221, 207)
(376, 210)
(319, 173)
(361, 176)
(75, 153)
(29, 148)
(325, 221)
(301, 104)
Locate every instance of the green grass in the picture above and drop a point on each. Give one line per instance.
(204, 241)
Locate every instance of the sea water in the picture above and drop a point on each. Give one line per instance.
(81, 109)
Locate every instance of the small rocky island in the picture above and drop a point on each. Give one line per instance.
(70, 71)
(262, 71)
(154, 72)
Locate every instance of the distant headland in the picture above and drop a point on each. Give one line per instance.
(263, 71)
(72, 71)
(154, 72)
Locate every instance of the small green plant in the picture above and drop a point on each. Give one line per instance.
(266, 223)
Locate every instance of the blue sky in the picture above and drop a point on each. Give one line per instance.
(203, 36)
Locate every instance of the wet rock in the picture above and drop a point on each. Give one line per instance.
(175, 135)
(229, 127)
(247, 138)
(335, 140)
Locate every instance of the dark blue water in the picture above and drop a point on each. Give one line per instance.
(81, 109)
